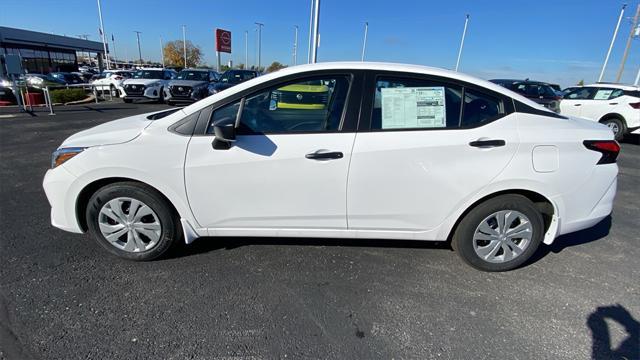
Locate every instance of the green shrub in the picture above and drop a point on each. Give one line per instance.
(67, 95)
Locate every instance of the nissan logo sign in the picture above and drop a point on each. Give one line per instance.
(299, 97)
(180, 88)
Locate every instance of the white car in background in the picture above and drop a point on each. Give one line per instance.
(147, 84)
(112, 80)
(340, 150)
(615, 105)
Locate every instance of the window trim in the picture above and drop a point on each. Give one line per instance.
(366, 118)
(351, 101)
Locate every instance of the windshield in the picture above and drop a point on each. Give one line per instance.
(236, 77)
(193, 75)
(148, 74)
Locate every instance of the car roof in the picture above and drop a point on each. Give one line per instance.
(202, 70)
(533, 82)
(360, 65)
(615, 86)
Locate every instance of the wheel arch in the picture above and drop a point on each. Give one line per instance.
(546, 207)
(85, 194)
(613, 115)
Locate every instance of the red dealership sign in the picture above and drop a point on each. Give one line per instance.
(223, 40)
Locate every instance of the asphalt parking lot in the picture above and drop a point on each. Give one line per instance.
(63, 297)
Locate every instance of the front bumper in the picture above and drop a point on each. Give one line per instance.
(192, 97)
(57, 186)
(149, 93)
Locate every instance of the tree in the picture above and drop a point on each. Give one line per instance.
(240, 66)
(581, 83)
(174, 54)
(275, 66)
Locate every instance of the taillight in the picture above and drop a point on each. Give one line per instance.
(608, 148)
(635, 105)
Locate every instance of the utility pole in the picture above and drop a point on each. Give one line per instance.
(139, 51)
(295, 46)
(162, 51)
(464, 34)
(613, 40)
(115, 56)
(104, 44)
(364, 42)
(316, 30)
(260, 25)
(246, 49)
(184, 44)
(310, 33)
(626, 49)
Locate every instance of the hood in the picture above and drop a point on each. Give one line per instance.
(113, 132)
(140, 81)
(191, 83)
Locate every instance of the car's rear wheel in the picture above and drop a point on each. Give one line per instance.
(499, 234)
(114, 91)
(132, 221)
(617, 127)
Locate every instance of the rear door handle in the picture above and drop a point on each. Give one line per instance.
(613, 103)
(325, 155)
(487, 143)
(577, 104)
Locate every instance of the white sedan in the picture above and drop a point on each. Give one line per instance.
(341, 150)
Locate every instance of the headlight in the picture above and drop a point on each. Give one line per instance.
(61, 156)
(5, 83)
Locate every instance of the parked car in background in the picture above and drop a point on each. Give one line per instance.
(68, 78)
(565, 91)
(615, 105)
(40, 81)
(190, 85)
(537, 91)
(311, 95)
(147, 84)
(6, 91)
(440, 156)
(112, 80)
(231, 78)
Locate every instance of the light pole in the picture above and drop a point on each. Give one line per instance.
(364, 42)
(104, 44)
(295, 46)
(626, 49)
(184, 44)
(310, 32)
(260, 25)
(246, 49)
(464, 34)
(613, 40)
(162, 51)
(637, 77)
(139, 51)
(316, 29)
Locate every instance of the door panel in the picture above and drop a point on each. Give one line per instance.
(266, 181)
(571, 107)
(412, 180)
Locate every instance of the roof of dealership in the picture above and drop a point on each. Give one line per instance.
(20, 37)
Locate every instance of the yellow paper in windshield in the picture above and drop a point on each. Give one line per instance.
(413, 107)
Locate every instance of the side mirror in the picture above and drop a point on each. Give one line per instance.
(225, 133)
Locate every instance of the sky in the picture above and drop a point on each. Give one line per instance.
(561, 41)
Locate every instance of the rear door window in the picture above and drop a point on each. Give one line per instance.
(581, 93)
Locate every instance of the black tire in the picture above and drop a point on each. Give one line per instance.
(161, 96)
(128, 101)
(113, 91)
(463, 238)
(616, 124)
(171, 230)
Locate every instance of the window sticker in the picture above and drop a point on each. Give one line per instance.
(413, 107)
(602, 94)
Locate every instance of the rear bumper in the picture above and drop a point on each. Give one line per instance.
(601, 210)
(57, 186)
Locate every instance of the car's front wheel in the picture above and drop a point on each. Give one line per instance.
(499, 234)
(132, 221)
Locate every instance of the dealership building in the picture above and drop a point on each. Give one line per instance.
(44, 53)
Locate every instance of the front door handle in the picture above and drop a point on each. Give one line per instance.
(613, 103)
(487, 143)
(577, 104)
(325, 155)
